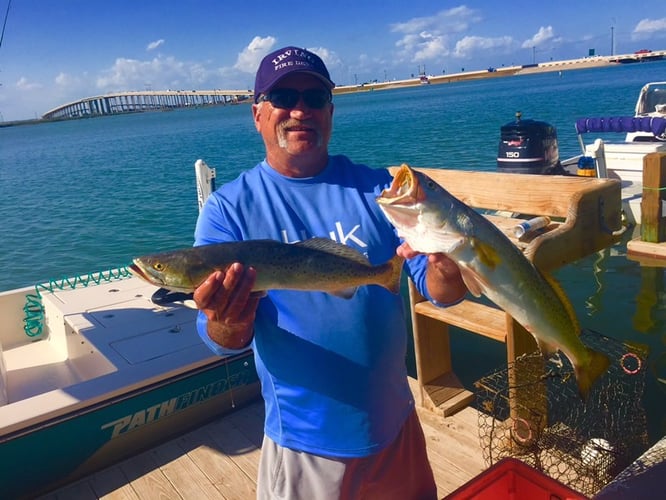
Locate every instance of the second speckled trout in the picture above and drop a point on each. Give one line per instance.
(432, 220)
(315, 264)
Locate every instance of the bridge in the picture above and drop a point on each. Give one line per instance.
(136, 101)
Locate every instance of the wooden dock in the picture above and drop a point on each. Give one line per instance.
(220, 461)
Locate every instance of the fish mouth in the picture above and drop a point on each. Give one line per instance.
(403, 189)
(138, 271)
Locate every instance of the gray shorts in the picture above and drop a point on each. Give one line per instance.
(401, 471)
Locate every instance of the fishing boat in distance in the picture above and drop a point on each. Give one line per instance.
(100, 367)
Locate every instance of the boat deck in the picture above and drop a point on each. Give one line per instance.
(220, 461)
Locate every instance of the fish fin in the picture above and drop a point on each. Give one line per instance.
(473, 281)
(329, 246)
(394, 274)
(559, 291)
(586, 375)
(486, 253)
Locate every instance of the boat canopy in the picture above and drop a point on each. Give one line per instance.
(625, 124)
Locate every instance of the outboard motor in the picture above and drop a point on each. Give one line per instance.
(528, 147)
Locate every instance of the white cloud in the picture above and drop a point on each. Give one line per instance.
(649, 27)
(329, 57)
(155, 44)
(24, 84)
(66, 80)
(159, 73)
(454, 20)
(427, 38)
(424, 46)
(469, 45)
(249, 58)
(542, 36)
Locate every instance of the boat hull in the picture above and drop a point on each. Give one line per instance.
(59, 451)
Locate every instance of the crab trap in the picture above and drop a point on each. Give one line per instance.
(531, 410)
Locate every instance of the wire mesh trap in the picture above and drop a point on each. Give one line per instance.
(531, 410)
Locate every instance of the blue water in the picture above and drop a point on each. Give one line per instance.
(87, 195)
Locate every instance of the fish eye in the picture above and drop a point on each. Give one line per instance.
(158, 266)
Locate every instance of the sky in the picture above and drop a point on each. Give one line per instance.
(58, 51)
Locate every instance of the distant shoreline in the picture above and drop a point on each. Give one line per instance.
(551, 66)
(526, 69)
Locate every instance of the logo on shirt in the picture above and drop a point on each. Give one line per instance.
(338, 234)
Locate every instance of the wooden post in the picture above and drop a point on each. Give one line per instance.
(440, 389)
(653, 203)
(528, 405)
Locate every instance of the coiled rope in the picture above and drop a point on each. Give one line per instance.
(33, 321)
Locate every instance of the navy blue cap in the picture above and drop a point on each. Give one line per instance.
(285, 61)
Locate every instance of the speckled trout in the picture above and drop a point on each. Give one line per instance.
(315, 264)
(432, 220)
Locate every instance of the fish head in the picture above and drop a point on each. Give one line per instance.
(402, 201)
(169, 270)
(418, 207)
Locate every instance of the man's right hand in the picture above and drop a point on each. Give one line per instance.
(227, 300)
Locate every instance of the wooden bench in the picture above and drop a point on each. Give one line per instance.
(586, 217)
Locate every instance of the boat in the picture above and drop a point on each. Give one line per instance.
(97, 368)
(530, 146)
(621, 160)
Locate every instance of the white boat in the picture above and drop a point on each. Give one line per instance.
(644, 133)
(99, 367)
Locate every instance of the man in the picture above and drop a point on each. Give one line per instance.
(340, 418)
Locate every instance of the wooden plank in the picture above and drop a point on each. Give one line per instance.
(469, 315)
(146, 478)
(219, 468)
(250, 422)
(446, 395)
(182, 472)
(646, 253)
(454, 448)
(231, 441)
(550, 195)
(431, 339)
(111, 484)
(519, 340)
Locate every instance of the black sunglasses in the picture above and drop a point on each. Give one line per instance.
(288, 98)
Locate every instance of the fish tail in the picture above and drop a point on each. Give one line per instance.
(391, 278)
(588, 374)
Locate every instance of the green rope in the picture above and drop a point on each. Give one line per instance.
(33, 310)
(654, 189)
